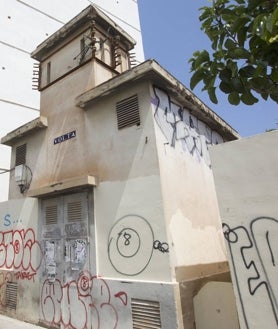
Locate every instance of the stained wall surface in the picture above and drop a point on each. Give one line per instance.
(215, 307)
(190, 205)
(20, 258)
(25, 24)
(246, 180)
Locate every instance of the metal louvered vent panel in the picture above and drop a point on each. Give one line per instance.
(11, 295)
(128, 112)
(51, 214)
(20, 155)
(75, 211)
(145, 314)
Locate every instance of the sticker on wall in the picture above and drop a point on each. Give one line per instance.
(65, 137)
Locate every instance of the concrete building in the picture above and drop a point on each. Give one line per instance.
(112, 219)
(25, 24)
(246, 183)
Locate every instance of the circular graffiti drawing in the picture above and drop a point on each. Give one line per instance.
(130, 245)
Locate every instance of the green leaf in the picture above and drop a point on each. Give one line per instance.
(230, 44)
(225, 75)
(226, 87)
(242, 36)
(252, 4)
(239, 23)
(212, 95)
(196, 78)
(247, 71)
(265, 96)
(260, 84)
(234, 98)
(202, 57)
(237, 85)
(274, 74)
(274, 97)
(239, 53)
(248, 99)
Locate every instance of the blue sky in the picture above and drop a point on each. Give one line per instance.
(171, 33)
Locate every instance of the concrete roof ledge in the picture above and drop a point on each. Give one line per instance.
(153, 71)
(13, 136)
(66, 184)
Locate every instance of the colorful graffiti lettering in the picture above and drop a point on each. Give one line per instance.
(90, 295)
(19, 250)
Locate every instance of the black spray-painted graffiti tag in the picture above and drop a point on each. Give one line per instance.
(253, 251)
(179, 126)
(131, 244)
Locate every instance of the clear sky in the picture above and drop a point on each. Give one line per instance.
(171, 33)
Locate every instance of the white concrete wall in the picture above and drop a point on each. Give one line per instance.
(20, 255)
(189, 197)
(129, 193)
(246, 182)
(215, 307)
(25, 24)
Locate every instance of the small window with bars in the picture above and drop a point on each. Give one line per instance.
(20, 154)
(128, 112)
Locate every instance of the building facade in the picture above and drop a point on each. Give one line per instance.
(246, 185)
(112, 219)
(23, 25)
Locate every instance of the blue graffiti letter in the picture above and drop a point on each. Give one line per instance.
(7, 221)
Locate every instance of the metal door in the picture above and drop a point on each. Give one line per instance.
(65, 239)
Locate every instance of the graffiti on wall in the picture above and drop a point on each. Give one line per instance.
(91, 295)
(131, 244)
(20, 251)
(254, 255)
(179, 126)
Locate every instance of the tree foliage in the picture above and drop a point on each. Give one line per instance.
(243, 62)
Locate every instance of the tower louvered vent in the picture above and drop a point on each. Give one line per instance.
(145, 314)
(20, 155)
(128, 112)
(11, 295)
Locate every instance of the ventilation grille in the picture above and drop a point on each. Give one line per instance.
(20, 155)
(128, 112)
(51, 215)
(11, 295)
(145, 314)
(74, 211)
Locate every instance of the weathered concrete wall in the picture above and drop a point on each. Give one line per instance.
(24, 25)
(189, 198)
(215, 307)
(20, 258)
(246, 181)
(128, 197)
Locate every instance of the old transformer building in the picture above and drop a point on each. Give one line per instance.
(112, 219)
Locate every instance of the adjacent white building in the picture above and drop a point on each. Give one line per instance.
(23, 25)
